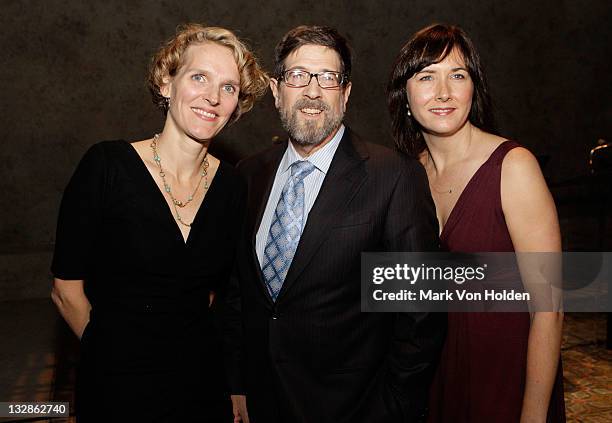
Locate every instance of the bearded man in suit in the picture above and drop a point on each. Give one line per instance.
(298, 345)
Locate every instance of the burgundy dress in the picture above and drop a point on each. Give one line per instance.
(481, 376)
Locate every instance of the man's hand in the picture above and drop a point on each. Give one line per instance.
(240, 409)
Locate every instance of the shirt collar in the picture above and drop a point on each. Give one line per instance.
(321, 158)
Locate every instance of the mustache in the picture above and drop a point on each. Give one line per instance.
(305, 103)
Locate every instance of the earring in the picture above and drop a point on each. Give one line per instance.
(408, 110)
(167, 101)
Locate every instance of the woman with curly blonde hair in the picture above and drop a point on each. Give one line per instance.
(146, 235)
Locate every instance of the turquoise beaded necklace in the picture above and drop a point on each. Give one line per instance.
(175, 202)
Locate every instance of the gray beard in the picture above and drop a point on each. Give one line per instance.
(309, 133)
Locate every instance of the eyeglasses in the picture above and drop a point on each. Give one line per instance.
(298, 78)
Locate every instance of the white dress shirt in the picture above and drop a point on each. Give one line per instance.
(321, 159)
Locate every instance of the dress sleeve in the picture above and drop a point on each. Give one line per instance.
(80, 217)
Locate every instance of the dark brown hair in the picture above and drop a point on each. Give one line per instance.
(313, 35)
(428, 46)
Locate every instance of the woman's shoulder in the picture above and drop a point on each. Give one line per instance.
(505, 151)
(108, 149)
(104, 158)
(519, 159)
(229, 176)
(491, 144)
(100, 152)
(231, 182)
(520, 170)
(112, 145)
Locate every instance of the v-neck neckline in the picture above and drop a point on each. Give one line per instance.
(451, 216)
(164, 204)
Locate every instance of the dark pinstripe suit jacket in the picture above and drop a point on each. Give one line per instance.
(312, 356)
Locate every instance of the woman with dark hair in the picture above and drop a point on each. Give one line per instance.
(490, 196)
(146, 234)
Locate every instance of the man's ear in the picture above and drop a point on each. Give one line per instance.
(346, 94)
(274, 87)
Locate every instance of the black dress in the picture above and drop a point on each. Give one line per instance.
(150, 351)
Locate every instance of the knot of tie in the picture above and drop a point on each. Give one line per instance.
(301, 169)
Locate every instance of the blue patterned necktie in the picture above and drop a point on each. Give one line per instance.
(286, 228)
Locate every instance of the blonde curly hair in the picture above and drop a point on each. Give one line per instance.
(168, 59)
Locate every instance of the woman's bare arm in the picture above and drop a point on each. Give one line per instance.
(532, 221)
(72, 303)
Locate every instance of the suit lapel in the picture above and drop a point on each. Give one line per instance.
(344, 177)
(262, 183)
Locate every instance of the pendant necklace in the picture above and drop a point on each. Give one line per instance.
(445, 191)
(448, 190)
(175, 202)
